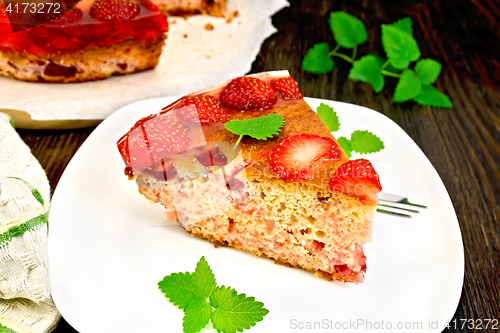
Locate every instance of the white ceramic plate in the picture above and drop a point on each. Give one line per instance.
(108, 247)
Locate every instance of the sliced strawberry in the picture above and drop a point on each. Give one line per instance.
(5, 24)
(200, 109)
(149, 6)
(69, 17)
(293, 158)
(57, 7)
(110, 10)
(153, 140)
(287, 87)
(357, 178)
(247, 93)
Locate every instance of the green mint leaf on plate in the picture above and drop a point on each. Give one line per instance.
(408, 86)
(365, 142)
(427, 70)
(368, 69)
(203, 301)
(430, 96)
(317, 60)
(347, 30)
(260, 128)
(329, 117)
(404, 25)
(203, 279)
(401, 48)
(345, 144)
(196, 316)
(235, 312)
(178, 288)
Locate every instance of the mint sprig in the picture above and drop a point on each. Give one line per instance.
(401, 49)
(408, 87)
(345, 144)
(362, 142)
(233, 310)
(203, 301)
(318, 60)
(260, 128)
(365, 142)
(329, 117)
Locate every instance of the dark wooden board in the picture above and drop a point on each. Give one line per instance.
(463, 143)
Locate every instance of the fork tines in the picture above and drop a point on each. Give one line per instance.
(398, 205)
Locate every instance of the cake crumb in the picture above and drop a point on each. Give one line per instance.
(172, 22)
(209, 26)
(185, 36)
(231, 16)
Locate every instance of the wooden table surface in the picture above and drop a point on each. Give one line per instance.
(462, 143)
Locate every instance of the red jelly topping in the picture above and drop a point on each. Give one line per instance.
(207, 106)
(99, 23)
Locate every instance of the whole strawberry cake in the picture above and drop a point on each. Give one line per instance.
(249, 164)
(91, 40)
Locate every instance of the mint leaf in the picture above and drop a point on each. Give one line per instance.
(427, 70)
(329, 117)
(401, 48)
(404, 25)
(368, 69)
(235, 312)
(408, 87)
(203, 279)
(430, 96)
(318, 60)
(388, 67)
(196, 316)
(259, 128)
(345, 144)
(178, 288)
(347, 30)
(222, 295)
(365, 142)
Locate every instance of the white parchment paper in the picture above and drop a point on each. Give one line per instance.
(193, 58)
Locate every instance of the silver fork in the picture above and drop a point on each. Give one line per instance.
(398, 200)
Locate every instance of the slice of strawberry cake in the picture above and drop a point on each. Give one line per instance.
(249, 164)
(92, 40)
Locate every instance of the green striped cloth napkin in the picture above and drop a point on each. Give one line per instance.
(25, 301)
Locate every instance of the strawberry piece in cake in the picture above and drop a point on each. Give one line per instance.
(287, 87)
(294, 197)
(244, 93)
(194, 111)
(92, 41)
(294, 157)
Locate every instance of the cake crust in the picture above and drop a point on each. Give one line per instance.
(190, 7)
(90, 64)
(91, 41)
